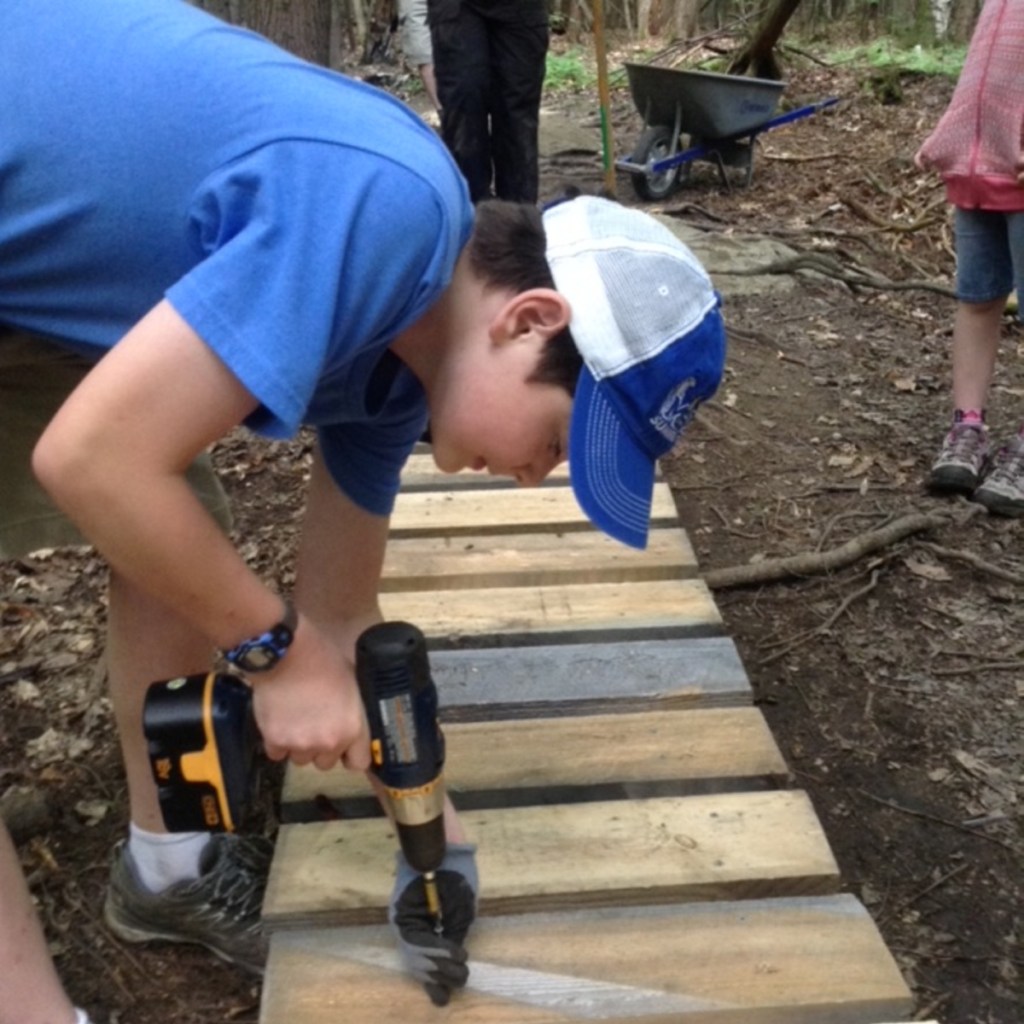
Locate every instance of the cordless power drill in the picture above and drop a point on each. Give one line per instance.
(406, 743)
(204, 746)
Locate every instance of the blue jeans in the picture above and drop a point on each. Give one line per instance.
(989, 255)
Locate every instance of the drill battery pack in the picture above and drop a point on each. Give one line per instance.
(203, 750)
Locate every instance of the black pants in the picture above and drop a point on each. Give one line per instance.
(489, 59)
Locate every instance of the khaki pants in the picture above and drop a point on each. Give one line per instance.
(36, 377)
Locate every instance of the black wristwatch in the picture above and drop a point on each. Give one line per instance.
(263, 652)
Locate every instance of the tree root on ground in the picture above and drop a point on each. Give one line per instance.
(816, 563)
(818, 263)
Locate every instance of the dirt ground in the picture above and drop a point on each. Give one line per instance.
(893, 681)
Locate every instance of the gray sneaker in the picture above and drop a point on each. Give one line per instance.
(959, 466)
(219, 910)
(1002, 490)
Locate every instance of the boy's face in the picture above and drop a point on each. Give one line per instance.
(488, 416)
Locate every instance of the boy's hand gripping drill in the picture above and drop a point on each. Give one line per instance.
(406, 744)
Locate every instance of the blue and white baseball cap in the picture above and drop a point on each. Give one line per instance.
(647, 322)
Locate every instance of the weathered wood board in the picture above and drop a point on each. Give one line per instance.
(509, 763)
(564, 613)
(504, 510)
(562, 856)
(797, 960)
(632, 675)
(421, 474)
(533, 560)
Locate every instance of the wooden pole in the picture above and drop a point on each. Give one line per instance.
(607, 153)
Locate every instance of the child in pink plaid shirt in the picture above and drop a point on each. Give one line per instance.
(978, 148)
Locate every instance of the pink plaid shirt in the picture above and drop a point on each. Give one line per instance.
(978, 144)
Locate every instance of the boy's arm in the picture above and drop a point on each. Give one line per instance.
(339, 565)
(340, 557)
(114, 459)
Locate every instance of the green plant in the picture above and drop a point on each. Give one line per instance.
(567, 72)
(885, 54)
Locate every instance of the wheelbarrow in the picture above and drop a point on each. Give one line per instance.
(719, 115)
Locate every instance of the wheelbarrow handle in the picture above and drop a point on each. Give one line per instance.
(796, 115)
(703, 149)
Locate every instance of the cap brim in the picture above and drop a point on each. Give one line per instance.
(612, 476)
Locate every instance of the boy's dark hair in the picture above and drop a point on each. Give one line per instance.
(507, 250)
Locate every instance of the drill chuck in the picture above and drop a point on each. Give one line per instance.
(406, 743)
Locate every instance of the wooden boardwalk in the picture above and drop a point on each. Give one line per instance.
(644, 856)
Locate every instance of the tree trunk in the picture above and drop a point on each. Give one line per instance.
(674, 19)
(962, 19)
(757, 57)
(302, 26)
(644, 10)
(227, 10)
(685, 19)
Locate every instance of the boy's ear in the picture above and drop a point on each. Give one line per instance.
(540, 312)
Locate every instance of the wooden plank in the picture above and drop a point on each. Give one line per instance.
(781, 961)
(505, 510)
(561, 856)
(637, 675)
(515, 616)
(533, 560)
(577, 758)
(421, 474)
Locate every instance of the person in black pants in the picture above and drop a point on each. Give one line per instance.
(489, 58)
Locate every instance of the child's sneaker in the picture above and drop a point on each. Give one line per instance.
(1002, 490)
(958, 468)
(219, 910)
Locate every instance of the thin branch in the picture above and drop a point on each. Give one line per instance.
(932, 817)
(792, 158)
(940, 881)
(971, 559)
(814, 563)
(825, 626)
(983, 666)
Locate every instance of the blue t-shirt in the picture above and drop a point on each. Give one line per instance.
(296, 219)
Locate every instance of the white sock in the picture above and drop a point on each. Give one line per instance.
(163, 858)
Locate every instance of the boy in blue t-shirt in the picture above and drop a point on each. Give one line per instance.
(248, 239)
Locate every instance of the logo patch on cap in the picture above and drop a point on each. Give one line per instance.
(677, 410)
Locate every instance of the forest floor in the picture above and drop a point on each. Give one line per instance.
(893, 682)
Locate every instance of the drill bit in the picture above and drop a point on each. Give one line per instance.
(433, 901)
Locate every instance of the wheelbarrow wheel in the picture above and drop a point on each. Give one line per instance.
(655, 144)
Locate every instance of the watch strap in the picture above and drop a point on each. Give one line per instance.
(263, 651)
